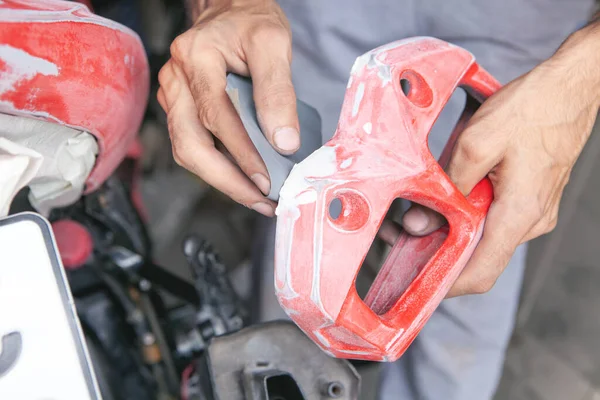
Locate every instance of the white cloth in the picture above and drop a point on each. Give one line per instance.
(54, 160)
(18, 166)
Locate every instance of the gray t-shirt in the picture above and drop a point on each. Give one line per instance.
(508, 38)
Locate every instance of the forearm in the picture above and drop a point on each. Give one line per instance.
(197, 7)
(576, 65)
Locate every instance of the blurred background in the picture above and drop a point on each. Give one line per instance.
(554, 353)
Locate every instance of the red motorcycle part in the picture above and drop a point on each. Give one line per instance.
(59, 62)
(75, 243)
(380, 153)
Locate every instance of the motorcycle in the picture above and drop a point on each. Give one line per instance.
(107, 321)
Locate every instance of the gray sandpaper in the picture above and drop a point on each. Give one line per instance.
(279, 166)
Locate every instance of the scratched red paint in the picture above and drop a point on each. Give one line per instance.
(379, 153)
(103, 81)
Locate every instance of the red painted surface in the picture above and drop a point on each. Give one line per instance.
(379, 153)
(59, 62)
(74, 243)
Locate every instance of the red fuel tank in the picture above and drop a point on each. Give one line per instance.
(59, 62)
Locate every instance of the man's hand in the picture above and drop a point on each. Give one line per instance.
(526, 139)
(250, 38)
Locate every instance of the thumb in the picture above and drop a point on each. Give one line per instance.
(421, 221)
(275, 97)
(476, 152)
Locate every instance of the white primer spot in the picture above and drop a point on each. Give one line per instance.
(370, 60)
(349, 82)
(354, 352)
(346, 163)
(22, 65)
(359, 64)
(297, 188)
(289, 311)
(301, 188)
(322, 339)
(360, 92)
(395, 339)
(310, 196)
(368, 127)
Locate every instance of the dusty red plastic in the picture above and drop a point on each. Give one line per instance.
(59, 62)
(379, 153)
(74, 242)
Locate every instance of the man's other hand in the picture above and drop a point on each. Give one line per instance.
(250, 38)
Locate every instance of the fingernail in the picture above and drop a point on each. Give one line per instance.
(415, 220)
(287, 139)
(262, 182)
(263, 208)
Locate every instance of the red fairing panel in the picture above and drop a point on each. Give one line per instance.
(61, 63)
(379, 153)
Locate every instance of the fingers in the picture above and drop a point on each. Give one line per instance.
(544, 225)
(550, 218)
(207, 82)
(420, 221)
(249, 39)
(160, 96)
(274, 94)
(475, 154)
(523, 209)
(473, 157)
(194, 149)
(501, 236)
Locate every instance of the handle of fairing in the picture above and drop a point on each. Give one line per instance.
(395, 278)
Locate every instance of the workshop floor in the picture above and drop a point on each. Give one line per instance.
(554, 354)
